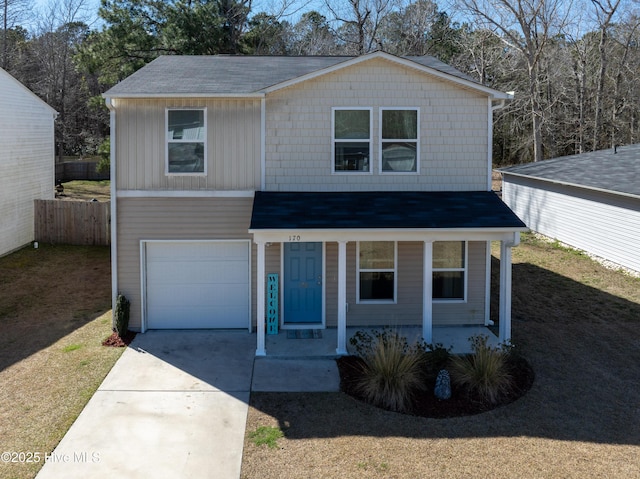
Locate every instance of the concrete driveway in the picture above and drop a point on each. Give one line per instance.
(174, 405)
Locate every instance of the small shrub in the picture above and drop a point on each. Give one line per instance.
(392, 370)
(266, 435)
(485, 372)
(104, 152)
(365, 343)
(121, 315)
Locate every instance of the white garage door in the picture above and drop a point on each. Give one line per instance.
(197, 285)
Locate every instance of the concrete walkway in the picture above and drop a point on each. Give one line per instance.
(175, 405)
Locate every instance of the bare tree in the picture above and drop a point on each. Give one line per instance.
(625, 96)
(406, 31)
(61, 29)
(312, 35)
(528, 26)
(359, 22)
(605, 10)
(13, 12)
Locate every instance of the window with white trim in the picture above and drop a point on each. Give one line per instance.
(449, 270)
(376, 271)
(351, 132)
(399, 143)
(186, 141)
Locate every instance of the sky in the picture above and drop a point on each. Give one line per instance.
(42, 6)
(269, 6)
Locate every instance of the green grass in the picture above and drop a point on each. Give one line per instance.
(266, 435)
(71, 347)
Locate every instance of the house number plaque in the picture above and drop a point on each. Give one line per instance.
(294, 238)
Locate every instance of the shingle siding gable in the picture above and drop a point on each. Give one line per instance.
(453, 141)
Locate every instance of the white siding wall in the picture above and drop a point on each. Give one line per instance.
(603, 224)
(26, 160)
(233, 145)
(453, 136)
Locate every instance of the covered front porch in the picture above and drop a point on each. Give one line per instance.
(427, 223)
(324, 344)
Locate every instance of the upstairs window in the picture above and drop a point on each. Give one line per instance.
(399, 140)
(449, 270)
(376, 271)
(186, 141)
(352, 140)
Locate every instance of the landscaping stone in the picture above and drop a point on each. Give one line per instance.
(443, 385)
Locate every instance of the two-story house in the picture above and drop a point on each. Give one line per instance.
(353, 191)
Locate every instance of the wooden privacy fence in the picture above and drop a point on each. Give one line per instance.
(72, 222)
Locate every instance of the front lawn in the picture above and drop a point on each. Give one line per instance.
(55, 310)
(576, 322)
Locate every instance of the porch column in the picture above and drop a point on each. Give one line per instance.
(342, 298)
(427, 293)
(260, 299)
(505, 287)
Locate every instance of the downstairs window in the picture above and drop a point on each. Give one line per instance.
(449, 270)
(376, 271)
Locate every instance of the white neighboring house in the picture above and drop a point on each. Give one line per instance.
(26, 160)
(589, 201)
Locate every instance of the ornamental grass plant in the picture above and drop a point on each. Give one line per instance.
(391, 372)
(485, 373)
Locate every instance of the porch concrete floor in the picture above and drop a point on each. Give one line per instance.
(279, 346)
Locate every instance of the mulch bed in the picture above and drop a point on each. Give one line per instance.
(425, 404)
(119, 342)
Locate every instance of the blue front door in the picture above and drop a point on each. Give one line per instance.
(302, 283)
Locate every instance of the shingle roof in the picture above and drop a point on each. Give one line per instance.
(608, 170)
(382, 210)
(230, 74)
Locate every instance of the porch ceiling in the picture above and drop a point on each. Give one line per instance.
(405, 210)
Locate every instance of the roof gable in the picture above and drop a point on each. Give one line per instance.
(224, 75)
(6, 76)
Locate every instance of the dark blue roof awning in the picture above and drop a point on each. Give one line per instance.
(478, 210)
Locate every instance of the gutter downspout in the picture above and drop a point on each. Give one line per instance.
(487, 294)
(114, 222)
(263, 143)
(493, 108)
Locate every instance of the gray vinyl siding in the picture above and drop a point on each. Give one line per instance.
(408, 309)
(473, 310)
(174, 219)
(453, 131)
(604, 224)
(232, 141)
(26, 160)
